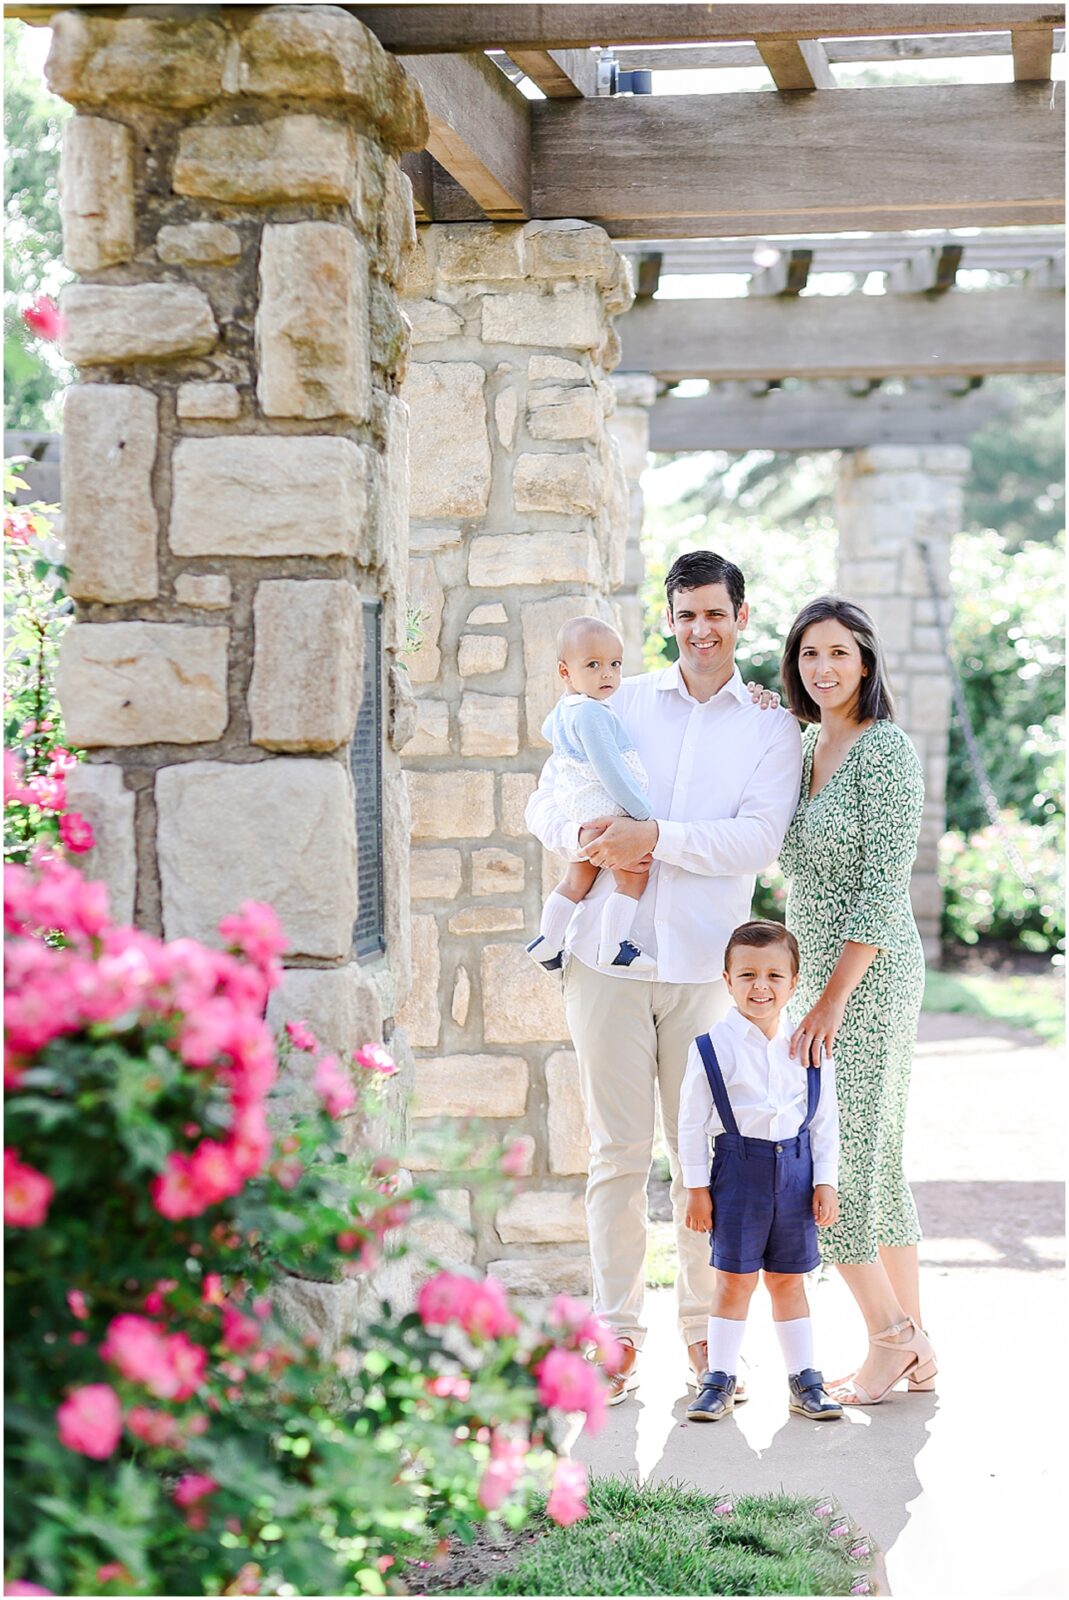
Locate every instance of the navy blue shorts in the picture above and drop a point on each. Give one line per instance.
(763, 1205)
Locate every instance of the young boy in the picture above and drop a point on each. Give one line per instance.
(775, 1168)
(598, 774)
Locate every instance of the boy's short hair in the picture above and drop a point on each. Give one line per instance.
(758, 935)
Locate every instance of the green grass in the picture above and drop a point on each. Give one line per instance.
(1033, 1001)
(664, 1539)
(662, 1262)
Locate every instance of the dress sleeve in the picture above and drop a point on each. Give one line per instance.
(890, 794)
(593, 727)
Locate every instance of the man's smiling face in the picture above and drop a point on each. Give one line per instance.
(707, 630)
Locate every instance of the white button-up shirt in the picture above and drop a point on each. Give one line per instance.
(724, 780)
(767, 1091)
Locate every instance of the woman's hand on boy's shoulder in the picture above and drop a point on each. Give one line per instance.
(764, 699)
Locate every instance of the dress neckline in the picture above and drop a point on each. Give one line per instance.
(807, 776)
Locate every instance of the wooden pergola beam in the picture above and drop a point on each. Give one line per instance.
(931, 271)
(1033, 49)
(797, 63)
(706, 165)
(426, 29)
(480, 130)
(787, 276)
(846, 336)
(560, 74)
(995, 250)
(847, 52)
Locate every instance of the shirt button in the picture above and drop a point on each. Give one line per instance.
(779, 1149)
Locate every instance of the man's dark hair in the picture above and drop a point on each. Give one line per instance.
(757, 936)
(699, 567)
(874, 702)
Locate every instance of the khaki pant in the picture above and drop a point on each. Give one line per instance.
(632, 1040)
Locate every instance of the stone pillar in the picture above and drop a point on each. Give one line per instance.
(520, 520)
(235, 482)
(891, 500)
(630, 427)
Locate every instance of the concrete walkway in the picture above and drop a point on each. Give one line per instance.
(963, 1490)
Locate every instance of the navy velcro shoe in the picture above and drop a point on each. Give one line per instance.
(627, 954)
(553, 963)
(809, 1399)
(715, 1399)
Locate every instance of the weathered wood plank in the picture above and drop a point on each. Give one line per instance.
(812, 419)
(702, 165)
(845, 336)
(788, 275)
(416, 165)
(479, 129)
(432, 28)
(797, 63)
(995, 250)
(1032, 52)
(930, 271)
(560, 74)
(850, 52)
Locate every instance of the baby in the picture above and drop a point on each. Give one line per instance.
(597, 773)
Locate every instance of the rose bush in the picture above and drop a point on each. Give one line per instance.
(167, 1431)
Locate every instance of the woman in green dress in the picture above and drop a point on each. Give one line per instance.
(848, 855)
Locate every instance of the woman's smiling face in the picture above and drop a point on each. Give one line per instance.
(831, 668)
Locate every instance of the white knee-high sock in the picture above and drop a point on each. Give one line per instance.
(796, 1342)
(556, 915)
(725, 1342)
(617, 920)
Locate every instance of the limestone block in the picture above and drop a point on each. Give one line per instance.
(125, 683)
(396, 846)
(501, 560)
(389, 545)
(311, 324)
(401, 722)
(471, 1086)
(553, 869)
(93, 61)
(571, 318)
(426, 597)
(389, 330)
(449, 450)
(458, 1008)
(485, 614)
(324, 53)
(431, 737)
(433, 541)
(420, 1016)
(207, 401)
(609, 351)
(99, 794)
(435, 874)
(566, 484)
(480, 653)
(451, 805)
(489, 724)
(864, 578)
(545, 1217)
(487, 919)
(210, 591)
(516, 789)
(109, 516)
(446, 1240)
(544, 1275)
(556, 413)
(542, 620)
(566, 1124)
(554, 367)
(634, 389)
(397, 223)
(214, 820)
(96, 193)
(263, 163)
(630, 427)
(138, 322)
(275, 496)
(308, 664)
(198, 244)
(571, 249)
(517, 1007)
(496, 871)
(328, 1312)
(431, 322)
(340, 1004)
(470, 252)
(417, 278)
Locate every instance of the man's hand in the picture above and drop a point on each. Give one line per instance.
(624, 843)
(699, 1213)
(825, 1205)
(763, 699)
(592, 830)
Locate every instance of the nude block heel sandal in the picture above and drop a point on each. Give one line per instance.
(920, 1369)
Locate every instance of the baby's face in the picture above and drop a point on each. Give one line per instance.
(595, 666)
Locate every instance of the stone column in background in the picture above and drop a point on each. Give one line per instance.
(235, 481)
(630, 427)
(891, 500)
(520, 519)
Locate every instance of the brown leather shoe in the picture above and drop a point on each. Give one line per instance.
(626, 1380)
(698, 1355)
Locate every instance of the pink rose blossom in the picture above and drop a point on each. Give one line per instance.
(114, 1572)
(12, 777)
(375, 1058)
(193, 1487)
(77, 1303)
(46, 791)
(302, 1037)
(211, 1293)
(153, 1427)
(214, 1173)
(137, 1347)
(480, 1307)
(333, 1086)
(256, 932)
(507, 1457)
(568, 1382)
(75, 832)
(90, 1421)
(567, 1497)
(27, 1193)
(155, 1300)
(188, 1362)
(45, 319)
(239, 1332)
(514, 1159)
(19, 1587)
(173, 1191)
(448, 1388)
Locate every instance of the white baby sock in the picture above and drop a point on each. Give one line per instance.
(796, 1342)
(617, 920)
(725, 1342)
(556, 915)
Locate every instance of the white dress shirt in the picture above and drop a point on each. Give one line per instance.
(767, 1091)
(724, 780)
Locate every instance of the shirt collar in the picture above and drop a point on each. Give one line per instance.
(743, 1028)
(572, 699)
(672, 678)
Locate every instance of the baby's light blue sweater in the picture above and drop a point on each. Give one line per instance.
(589, 730)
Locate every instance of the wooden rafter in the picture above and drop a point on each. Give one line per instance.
(847, 52)
(560, 74)
(930, 271)
(797, 63)
(479, 129)
(787, 276)
(1032, 52)
(995, 250)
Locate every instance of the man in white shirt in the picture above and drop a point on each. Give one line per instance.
(723, 785)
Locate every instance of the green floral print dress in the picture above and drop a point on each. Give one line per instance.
(848, 856)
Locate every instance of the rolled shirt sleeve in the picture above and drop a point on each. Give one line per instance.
(698, 1123)
(890, 800)
(824, 1129)
(547, 821)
